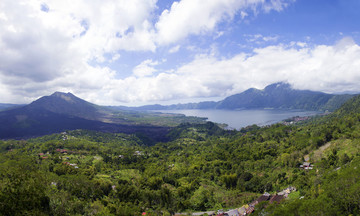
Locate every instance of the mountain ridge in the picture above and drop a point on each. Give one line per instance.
(279, 95)
(275, 96)
(69, 104)
(64, 111)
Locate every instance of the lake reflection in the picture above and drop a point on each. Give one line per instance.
(242, 118)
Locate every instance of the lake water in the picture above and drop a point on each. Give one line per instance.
(236, 119)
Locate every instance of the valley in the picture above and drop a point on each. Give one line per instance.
(199, 168)
(180, 108)
(64, 111)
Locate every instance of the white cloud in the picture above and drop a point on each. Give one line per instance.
(258, 38)
(115, 57)
(49, 50)
(243, 14)
(48, 47)
(195, 17)
(277, 5)
(321, 68)
(145, 68)
(174, 49)
(70, 28)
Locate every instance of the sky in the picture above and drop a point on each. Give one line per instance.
(137, 52)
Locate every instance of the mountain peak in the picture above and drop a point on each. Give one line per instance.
(281, 96)
(57, 93)
(278, 86)
(66, 103)
(69, 97)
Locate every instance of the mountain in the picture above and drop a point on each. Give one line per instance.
(275, 96)
(200, 105)
(283, 96)
(68, 104)
(64, 111)
(6, 106)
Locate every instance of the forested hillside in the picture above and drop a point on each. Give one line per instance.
(283, 96)
(275, 96)
(202, 167)
(64, 111)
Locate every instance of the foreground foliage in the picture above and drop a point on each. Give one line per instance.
(202, 167)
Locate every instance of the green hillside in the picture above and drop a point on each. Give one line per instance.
(201, 167)
(283, 96)
(276, 96)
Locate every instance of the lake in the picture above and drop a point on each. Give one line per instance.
(236, 119)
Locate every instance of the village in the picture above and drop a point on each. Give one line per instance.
(250, 208)
(247, 209)
(295, 120)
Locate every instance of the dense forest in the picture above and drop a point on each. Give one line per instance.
(201, 167)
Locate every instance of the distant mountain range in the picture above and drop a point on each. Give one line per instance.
(275, 96)
(282, 96)
(6, 106)
(64, 111)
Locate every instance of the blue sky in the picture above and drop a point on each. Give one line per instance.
(120, 52)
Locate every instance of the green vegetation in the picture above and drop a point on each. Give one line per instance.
(202, 167)
(154, 118)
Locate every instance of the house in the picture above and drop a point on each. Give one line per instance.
(264, 197)
(64, 151)
(233, 212)
(242, 210)
(276, 198)
(289, 189)
(250, 209)
(138, 153)
(306, 166)
(202, 213)
(74, 165)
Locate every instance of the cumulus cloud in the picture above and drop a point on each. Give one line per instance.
(65, 46)
(145, 68)
(47, 47)
(320, 68)
(196, 17)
